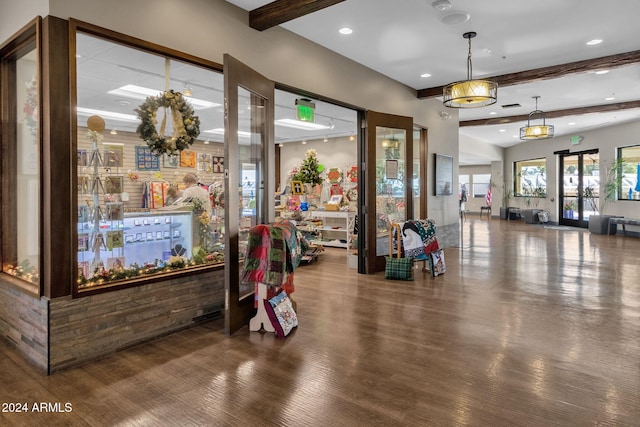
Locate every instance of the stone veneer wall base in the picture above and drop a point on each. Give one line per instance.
(66, 332)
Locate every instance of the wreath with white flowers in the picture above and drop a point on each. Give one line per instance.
(186, 125)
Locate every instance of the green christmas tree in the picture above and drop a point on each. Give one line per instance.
(310, 169)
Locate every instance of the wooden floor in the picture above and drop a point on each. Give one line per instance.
(529, 326)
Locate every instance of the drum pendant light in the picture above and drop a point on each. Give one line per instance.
(470, 93)
(539, 131)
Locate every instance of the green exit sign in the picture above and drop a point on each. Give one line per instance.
(305, 110)
(576, 139)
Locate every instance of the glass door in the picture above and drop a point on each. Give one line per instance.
(249, 177)
(389, 194)
(579, 187)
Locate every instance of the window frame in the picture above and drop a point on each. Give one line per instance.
(631, 166)
(88, 29)
(22, 43)
(537, 192)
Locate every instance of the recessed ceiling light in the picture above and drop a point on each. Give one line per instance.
(594, 42)
(610, 98)
(455, 18)
(502, 130)
(441, 5)
(345, 30)
(571, 123)
(493, 113)
(601, 72)
(425, 75)
(304, 142)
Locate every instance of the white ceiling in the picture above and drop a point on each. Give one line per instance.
(406, 38)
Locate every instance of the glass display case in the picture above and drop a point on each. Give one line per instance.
(137, 238)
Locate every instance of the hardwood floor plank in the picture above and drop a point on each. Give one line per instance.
(528, 326)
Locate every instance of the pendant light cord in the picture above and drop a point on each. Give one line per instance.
(469, 66)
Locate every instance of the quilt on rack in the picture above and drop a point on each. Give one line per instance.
(273, 253)
(419, 238)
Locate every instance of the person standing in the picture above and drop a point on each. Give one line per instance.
(194, 191)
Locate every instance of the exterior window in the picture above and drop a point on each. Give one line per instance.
(481, 184)
(630, 188)
(21, 163)
(530, 178)
(140, 213)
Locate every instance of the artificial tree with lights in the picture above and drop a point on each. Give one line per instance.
(310, 170)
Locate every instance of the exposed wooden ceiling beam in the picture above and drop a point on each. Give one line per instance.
(555, 114)
(552, 72)
(280, 11)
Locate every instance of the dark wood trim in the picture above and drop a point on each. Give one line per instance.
(605, 108)
(424, 169)
(551, 72)
(147, 279)
(143, 45)
(281, 11)
(239, 309)
(58, 246)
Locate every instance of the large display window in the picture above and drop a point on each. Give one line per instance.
(137, 159)
(21, 160)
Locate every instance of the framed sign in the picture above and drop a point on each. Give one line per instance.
(145, 161)
(297, 187)
(391, 169)
(444, 175)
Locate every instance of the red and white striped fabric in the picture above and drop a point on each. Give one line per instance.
(488, 198)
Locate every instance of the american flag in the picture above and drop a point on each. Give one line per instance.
(488, 198)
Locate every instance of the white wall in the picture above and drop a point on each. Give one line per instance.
(16, 14)
(605, 139)
(475, 151)
(335, 153)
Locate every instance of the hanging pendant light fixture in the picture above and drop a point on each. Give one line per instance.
(539, 131)
(470, 93)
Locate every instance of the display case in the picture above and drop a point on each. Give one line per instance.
(137, 238)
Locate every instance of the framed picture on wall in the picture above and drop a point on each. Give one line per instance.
(443, 175)
(113, 155)
(145, 161)
(218, 164)
(187, 159)
(170, 161)
(113, 184)
(83, 158)
(297, 187)
(204, 162)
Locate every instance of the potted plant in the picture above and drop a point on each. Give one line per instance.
(532, 197)
(507, 194)
(610, 185)
(568, 209)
